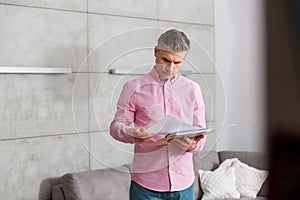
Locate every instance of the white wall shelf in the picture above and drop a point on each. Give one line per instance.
(35, 70)
(140, 72)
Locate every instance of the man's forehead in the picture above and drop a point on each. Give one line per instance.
(171, 53)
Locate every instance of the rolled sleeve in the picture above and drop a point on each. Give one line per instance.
(120, 128)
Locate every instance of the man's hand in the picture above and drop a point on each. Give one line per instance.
(139, 135)
(187, 143)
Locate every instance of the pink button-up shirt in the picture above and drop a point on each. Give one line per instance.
(146, 100)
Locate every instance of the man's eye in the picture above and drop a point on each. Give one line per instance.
(176, 63)
(166, 60)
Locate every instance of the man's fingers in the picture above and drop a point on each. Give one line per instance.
(140, 135)
(182, 142)
(145, 136)
(141, 130)
(186, 143)
(141, 139)
(198, 138)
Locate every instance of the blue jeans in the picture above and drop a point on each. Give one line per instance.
(138, 192)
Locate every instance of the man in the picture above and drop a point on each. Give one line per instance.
(161, 172)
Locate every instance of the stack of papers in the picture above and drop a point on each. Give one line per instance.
(170, 127)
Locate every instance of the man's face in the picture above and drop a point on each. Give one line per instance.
(168, 63)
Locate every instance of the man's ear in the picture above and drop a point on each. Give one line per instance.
(155, 51)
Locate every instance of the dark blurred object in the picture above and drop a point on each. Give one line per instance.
(283, 97)
(296, 16)
(295, 7)
(285, 166)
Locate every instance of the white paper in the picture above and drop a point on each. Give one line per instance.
(172, 126)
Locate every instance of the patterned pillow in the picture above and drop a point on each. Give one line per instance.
(248, 179)
(218, 184)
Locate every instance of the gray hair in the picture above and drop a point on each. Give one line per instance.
(173, 40)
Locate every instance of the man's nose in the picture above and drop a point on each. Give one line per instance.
(171, 66)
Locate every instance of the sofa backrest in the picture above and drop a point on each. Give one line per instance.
(211, 160)
(46, 187)
(259, 160)
(97, 184)
(205, 161)
(115, 183)
(255, 159)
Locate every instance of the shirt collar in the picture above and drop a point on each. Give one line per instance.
(156, 76)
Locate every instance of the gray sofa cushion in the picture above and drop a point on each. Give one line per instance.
(206, 161)
(46, 187)
(57, 192)
(97, 184)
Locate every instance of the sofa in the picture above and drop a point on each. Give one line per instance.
(114, 183)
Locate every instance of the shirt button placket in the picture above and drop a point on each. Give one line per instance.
(166, 99)
(170, 170)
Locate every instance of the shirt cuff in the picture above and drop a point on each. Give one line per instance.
(129, 133)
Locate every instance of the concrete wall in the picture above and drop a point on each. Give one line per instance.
(54, 124)
(240, 80)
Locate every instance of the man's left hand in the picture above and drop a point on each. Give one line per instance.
(187, 143)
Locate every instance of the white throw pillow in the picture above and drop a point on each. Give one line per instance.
(218, 184)
(248, 179)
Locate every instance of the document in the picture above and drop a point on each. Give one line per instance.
(170, 127)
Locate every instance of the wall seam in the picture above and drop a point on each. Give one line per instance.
(64, 134)
(152, 19)
(88, 79)
(105, 72)
(112, 15)
(50, 135)
(45, 8)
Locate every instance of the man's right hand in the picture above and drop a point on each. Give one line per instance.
(140, 136)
